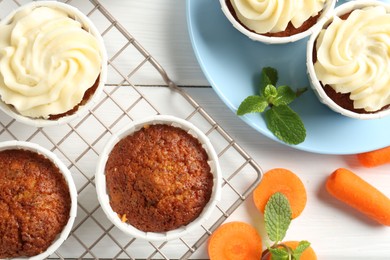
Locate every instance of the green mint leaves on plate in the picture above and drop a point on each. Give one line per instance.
(277, 217)
(281, 120)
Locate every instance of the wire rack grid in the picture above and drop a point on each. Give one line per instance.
(79, 143)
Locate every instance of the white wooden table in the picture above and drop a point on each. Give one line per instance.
(335, 231)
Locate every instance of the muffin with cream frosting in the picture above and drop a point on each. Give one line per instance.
(349, 59)
(52, 62)
(276, 21)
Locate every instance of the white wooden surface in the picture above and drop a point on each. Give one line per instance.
(335, 231)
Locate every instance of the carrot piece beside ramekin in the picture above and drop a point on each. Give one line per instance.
(359, 194)
(286, 182)
(235, 240)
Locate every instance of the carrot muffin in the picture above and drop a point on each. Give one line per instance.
(50, 63)
(158, 178)
(34, 203)
(280, 18)
(351, 59)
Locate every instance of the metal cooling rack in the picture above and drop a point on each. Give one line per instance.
(78, 145)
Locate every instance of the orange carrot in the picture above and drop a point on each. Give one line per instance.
(235, 240)
(308, 254)
(354, 191)
(286, 182)
(375, 158)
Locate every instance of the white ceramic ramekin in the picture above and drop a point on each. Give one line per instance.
(103, 196)
(8, 145)
(82, 110)
(314, 81)
(326, 13)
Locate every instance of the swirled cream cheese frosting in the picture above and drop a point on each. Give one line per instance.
(47, 62)
(271, 16)
(353, 56)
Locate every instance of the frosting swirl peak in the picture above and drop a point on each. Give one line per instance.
(264, 16)
(353, 57)
(47, 62)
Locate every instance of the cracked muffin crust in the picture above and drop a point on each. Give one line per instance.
(34, 203)
(158, 178)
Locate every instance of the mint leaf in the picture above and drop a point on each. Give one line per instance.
(278, 253)
(285, 124)
(302, 246)
(282, 121)
(285, 95)
(252, 104)
(269, 76)
(270, 92)
(277, 216)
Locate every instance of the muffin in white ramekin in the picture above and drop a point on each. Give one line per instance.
(54, 67)
(155, 173)
(34, 180)
(348, 60)
(277, 22)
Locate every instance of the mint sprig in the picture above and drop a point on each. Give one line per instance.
(281, 120)
(277, 217)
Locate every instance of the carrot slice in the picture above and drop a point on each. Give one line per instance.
(354, 191)
(308, 254)
(286, 182)
(375, 158)
(235, 241)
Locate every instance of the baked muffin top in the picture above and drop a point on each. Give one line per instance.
(34, 203)
(158, 178)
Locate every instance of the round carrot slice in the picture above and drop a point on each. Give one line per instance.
(235, 241)
(286, 182)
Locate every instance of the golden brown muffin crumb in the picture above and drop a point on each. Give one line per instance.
(34, 203)
(158, 178)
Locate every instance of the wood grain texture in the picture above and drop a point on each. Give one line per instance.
(161, 27)
(335, 230)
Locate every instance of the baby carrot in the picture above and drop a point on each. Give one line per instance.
(284, 181)
(354, 191)
(375, 158)
(308, 254)
(235, 240)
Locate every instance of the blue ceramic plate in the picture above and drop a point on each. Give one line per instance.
(232, 64)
